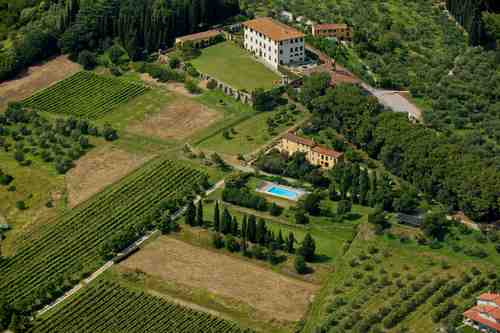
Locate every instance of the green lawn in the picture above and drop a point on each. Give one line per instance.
(250, 133)
(230, 64)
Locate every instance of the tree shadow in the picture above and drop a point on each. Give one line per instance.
(320, 258)
(353, 216)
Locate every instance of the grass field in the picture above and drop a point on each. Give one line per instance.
(235, 66)
(106, 306)
(35, 185)
(275, 297)
(84, 94)
(248, 135)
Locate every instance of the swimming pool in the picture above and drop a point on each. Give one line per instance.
(281, 191)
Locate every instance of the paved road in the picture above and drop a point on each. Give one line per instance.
(394, 101)
(389, 98)
(110, 263)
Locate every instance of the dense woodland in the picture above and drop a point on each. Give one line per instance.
(470, 15)
(73, 26)
(460, 171)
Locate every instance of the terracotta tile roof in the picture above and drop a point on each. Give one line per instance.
(327, 151)
(199, 35)
(330, 26)
(314, 146)
(474, 314)
(490, 297)
(275, 30)
(297, 139)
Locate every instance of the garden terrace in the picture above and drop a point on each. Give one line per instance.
(234, 66)
(85, 95)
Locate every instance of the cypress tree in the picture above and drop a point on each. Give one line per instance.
(235, 227)
(191, 214)
(261, 232)
(290, 243)
(199, 214)
(217, 217)
(280, 240)
(308, 248)
(244, 228)
(364, 187)
(252, 229)
(227, 222)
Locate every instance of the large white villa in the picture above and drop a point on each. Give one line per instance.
(274, 42)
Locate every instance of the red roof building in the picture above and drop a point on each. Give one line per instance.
(316, 154)
(340, 31)
(485, 316)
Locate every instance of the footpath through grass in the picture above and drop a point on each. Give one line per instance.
(235, 66)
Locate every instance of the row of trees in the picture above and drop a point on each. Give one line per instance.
(439, 165)
(370, 189)
(73, 26)
(236, 236)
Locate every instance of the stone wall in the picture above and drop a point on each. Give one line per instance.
(228, 90)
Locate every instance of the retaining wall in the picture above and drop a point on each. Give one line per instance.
(228, 90)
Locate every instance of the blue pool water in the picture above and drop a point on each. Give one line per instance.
(283, 192)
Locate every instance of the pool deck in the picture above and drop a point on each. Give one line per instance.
(266, 186)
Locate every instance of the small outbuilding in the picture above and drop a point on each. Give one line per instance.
(199, 40)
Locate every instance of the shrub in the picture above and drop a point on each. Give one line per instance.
(301, 217)
(217, 241)
(275, 210)
(232, 244)
(212, 84)
(21, 205)
(116, 71)
(300, 265)
(192, 87)
(5, 179)
(174, 62)
(87, 59)
(476, 251)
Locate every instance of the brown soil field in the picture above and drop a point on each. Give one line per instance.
(36, 78)
(277, 296)
(97, 169)
(178, 120)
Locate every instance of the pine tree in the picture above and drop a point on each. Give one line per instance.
(216, 217)
(191, 214)
(290, 243)
(308, 248)
(227, 222)
(199, 214)
(261, 232)
(252, 229)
